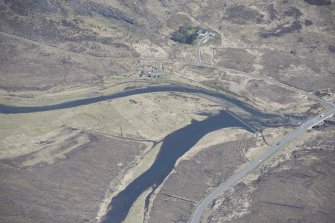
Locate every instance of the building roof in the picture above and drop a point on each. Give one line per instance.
(201, 31)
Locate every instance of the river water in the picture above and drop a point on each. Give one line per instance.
(4, 109)
(174, 145)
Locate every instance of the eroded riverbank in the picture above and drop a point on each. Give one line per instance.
(180, 140)
(174, 146)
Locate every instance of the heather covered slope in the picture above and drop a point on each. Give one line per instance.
(67, 165)
(289, 41)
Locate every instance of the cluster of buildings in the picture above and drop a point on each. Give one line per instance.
(152, 74)
(204, 32)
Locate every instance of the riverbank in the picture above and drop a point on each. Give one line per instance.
(134, 114)
(273, 98)
(212, 160)
(118, 132)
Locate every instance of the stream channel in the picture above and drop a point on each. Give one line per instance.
(174, 145)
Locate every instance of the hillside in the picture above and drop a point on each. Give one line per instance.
(66, 162)
(292, 42)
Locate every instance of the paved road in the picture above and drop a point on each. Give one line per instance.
(251, 166)
(223, 187)
(202, 41)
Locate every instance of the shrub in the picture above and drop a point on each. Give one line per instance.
(185, 34)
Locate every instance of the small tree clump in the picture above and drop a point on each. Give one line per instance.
(185, 34)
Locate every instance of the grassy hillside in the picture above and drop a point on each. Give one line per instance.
(289, 40)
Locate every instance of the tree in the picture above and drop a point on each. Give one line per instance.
(185, 34)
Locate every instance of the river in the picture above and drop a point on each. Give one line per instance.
(6, 109)
(173, 147)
